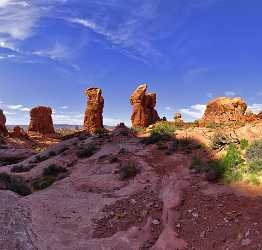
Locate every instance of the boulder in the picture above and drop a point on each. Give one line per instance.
(144, 113)
(223, 110)
(178, 118)
(94, 111)
(3, 129)
(41, 120)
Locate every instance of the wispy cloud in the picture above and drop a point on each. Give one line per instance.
(18, 107)
(195, 111)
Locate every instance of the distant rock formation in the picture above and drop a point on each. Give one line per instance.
(18, 132)
(94, 111)
(3, 129)
(223, 110)
(178, 118)
(144, 113)
(259, 116)
(41, 120)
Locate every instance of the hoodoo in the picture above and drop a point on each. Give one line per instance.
(41, 120)
(144, 113)
(3, 130)
(94, 111)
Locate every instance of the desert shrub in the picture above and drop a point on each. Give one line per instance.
(254, 151)
(255, 166)
(219, 140)
(54, 170)
(15, 184)
(43, 182)
(232, 158)
(164, 129)
(87, 151)
(137, 130)
(127, 171)
(101, 132)
(243, 144)
(161, 131)
(253, 178)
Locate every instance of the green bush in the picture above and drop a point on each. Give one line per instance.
(164, 129)
(243, 144)
(253, 178)
(232, 159)
(255, 166)
(161, 131)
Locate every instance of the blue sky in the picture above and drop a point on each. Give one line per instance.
(188, 51)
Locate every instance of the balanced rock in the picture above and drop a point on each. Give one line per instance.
(94, 111)
(178, 118)
(3, 129)
(144, 113)
(223, 110)
(41, 120)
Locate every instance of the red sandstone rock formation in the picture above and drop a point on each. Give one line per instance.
(41, 120)
(259, 116)
(223, 109)
(94, 111)
(3, 130)
(18, 132)
(144, 113)
(178, 118)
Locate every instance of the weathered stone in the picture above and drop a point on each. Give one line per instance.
(223, 110)
(144, 113)
(18, 132)
(41, 120)
(3, 129)
(178, 118)
(94, 111)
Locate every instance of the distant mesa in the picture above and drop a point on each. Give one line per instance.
(94, 110)
(3, 129)
(41, 120)
(144, 113)
(223, 110)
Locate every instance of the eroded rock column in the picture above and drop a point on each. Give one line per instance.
(94, 111)
(144, 113)
(41, 120)
(3, 129)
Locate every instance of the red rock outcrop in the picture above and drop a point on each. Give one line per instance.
(41, 120)
(18, 132)
(94, 111)
(259, 115)
(178, 118)
(3, 129)
(144, 113)
(223, 110)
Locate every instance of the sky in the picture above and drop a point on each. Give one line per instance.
(187, 51)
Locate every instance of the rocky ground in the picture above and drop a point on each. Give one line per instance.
(113, 192)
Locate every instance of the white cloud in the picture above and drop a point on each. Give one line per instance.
(17, 20)
(168, 108)
(57, 52)
(256, 107)
(230, 93)
(18, 107)
(64, 107)
(194, 111)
